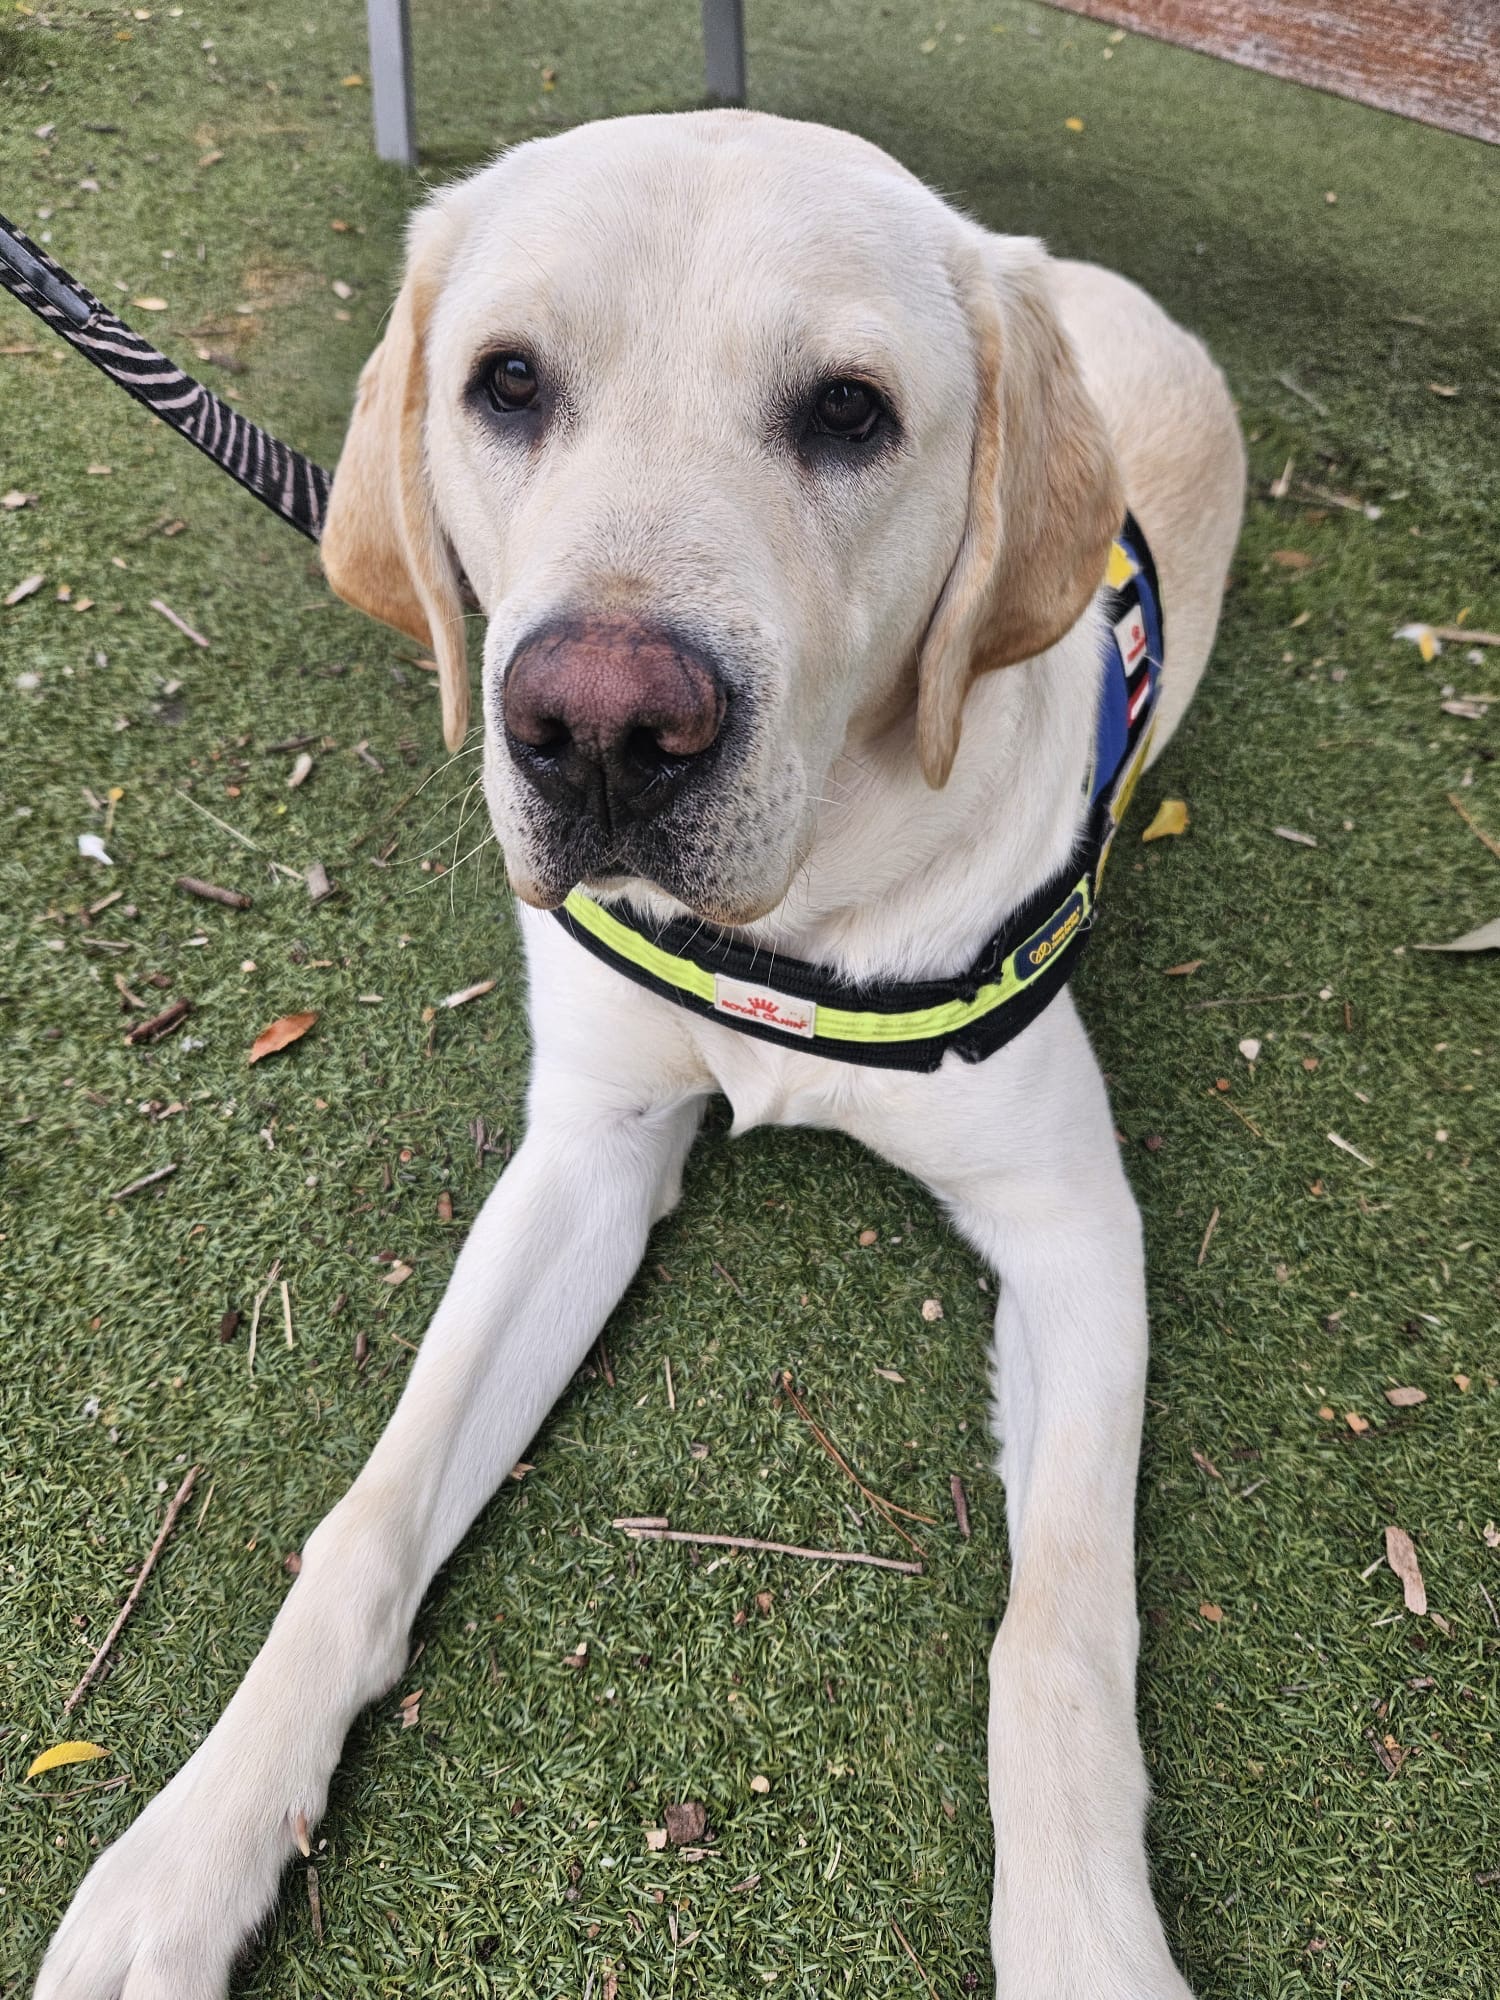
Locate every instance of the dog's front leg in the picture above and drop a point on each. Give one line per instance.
(164, 1912)
(1023, 1153)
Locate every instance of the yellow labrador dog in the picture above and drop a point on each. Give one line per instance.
(788, 495)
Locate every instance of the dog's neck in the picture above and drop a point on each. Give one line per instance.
(902, 882)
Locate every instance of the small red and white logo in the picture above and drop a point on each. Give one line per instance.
(1139, 695)
(763, 1004)
(1130, 637)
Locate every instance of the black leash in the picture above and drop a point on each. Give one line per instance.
(294, 489)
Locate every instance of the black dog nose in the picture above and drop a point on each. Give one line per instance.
(610, 715)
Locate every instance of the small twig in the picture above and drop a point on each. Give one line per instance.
(1491, 1603)
(315, 1902)
(260, 1299)
(641, 1532)
(181, 623)
(468, 993)
(179, 1501)
(1208, 1236)
(1243, 1116)
(232, 899)
(233, 831)
(82, 1791)
(1388, 1762)
(887, 1509)
(160, 1024)
(1306, 394)
(145, 1181)
(1353, 1151)
(960, 1504)
(727, 1277)
(921, 1968)
(1473, 825)
(1243, 1000)
(1460, 635)
(608, 1372)
(286, 1312)
(671, 1392)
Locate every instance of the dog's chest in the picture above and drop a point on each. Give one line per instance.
(766, 1085)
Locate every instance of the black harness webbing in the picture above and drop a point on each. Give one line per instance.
(282, 479)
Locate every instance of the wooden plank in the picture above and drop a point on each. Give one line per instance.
(724, 51)
(1437, 61)
(389, 28)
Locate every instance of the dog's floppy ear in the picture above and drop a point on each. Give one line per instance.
(1045, 498)
(383, 549)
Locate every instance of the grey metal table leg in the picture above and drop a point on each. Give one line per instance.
(723, 50)
(390, 80)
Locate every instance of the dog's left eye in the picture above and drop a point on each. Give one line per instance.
(846, 409)
(510, 382)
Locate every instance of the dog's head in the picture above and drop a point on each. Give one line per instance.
(751, 449)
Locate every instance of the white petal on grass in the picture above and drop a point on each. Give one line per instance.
(1486, 938)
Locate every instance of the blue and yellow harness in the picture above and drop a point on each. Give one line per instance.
(914, 1025)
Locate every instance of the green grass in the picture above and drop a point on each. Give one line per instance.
(1287, 1861)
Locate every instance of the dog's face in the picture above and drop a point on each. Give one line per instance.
(744, 441)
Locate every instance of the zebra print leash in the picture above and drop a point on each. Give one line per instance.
(294, 489)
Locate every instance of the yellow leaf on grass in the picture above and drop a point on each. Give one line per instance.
(64, 1753)
(1074, 124)
(1171, 818)
(152, 305)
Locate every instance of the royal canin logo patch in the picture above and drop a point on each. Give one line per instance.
(763, 1004)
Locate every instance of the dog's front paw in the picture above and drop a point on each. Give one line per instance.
(165, 1911)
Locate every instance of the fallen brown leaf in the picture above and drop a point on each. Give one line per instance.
(1401, 1554)
(290, 1028)
(1405, 1399)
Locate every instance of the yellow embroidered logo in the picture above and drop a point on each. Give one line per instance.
(1041, 948)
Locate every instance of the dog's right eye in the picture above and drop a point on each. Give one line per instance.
(510, 382)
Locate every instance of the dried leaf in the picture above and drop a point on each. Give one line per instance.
(1171, 819)
(1402, 1557)
(151, 305)
(1491, 1535)
(1187, 966)
(1205, 1464)
(1405, 1399)
(64, 1753)
(27, 587)
(1291, 559)
(656, 1839)
(932, 1309)
(290, 1028)
(1291, 833)
(1358, 1424)
(1250, 1048)
(1212, 1613)
(1486, 938)
(889, 1375)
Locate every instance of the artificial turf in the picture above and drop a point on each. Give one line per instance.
(204, 155)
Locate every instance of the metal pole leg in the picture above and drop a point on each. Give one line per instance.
(390, 80)
(723, 50)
